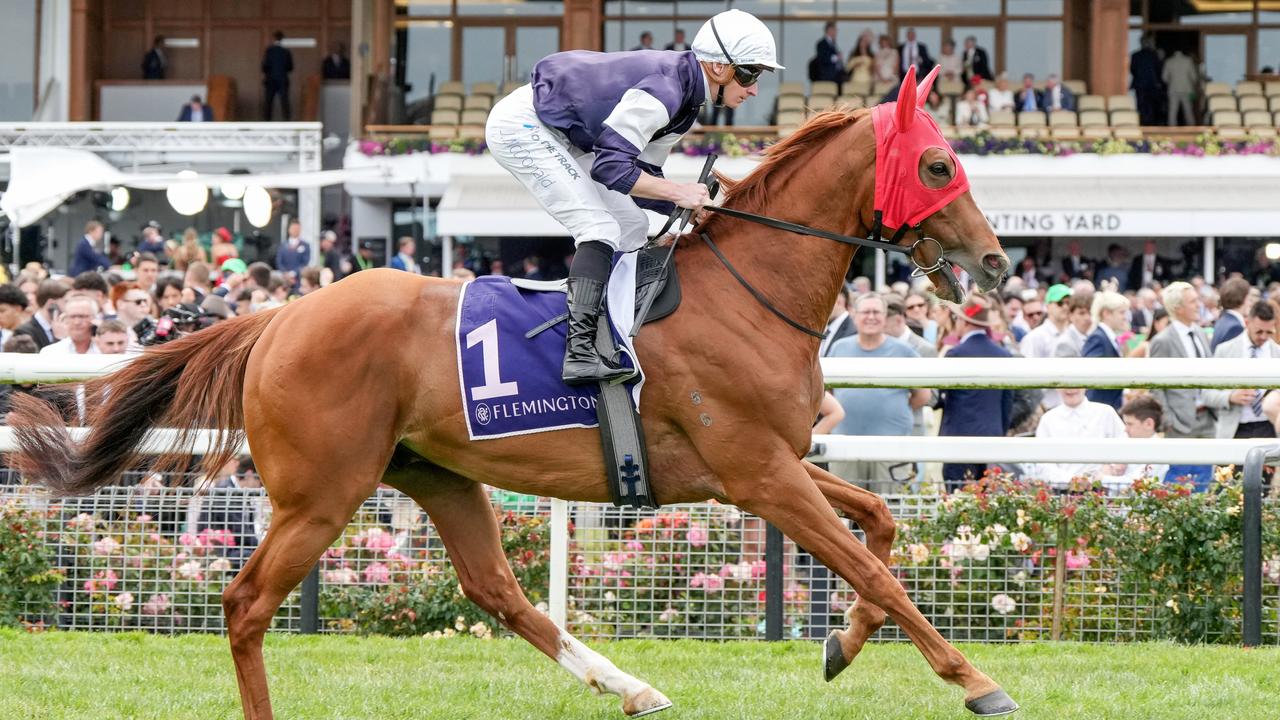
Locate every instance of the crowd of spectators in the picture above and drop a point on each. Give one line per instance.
(1142, 311)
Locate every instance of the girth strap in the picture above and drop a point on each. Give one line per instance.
(756, 293)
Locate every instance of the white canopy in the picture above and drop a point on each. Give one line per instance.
(41, 179)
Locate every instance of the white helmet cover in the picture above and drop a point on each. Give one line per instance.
(746, 40)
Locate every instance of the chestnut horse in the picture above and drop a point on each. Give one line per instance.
(356, 385)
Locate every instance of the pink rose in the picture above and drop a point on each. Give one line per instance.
(696, 536)
(377, 574)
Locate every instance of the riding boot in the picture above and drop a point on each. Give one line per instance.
(582, 364)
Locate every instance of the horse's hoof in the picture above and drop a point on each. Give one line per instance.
(646, 702)
(833, 662)
(996, 702)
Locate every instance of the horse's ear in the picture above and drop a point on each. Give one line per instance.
(907, 100)
(926, 85)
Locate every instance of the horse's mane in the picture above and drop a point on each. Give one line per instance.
(749, 192)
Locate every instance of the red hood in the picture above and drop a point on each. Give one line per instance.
(904, 130)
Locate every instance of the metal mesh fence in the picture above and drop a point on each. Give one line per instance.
(157, 559)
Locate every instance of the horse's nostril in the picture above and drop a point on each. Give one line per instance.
(996, 262)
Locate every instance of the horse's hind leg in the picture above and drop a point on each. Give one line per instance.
(312, 500)
(462, 514)
(872, 515)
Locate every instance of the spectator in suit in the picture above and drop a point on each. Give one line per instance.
(1056, 96)
(1234, 298)
(277, 63)
(1240, 412)
(336, 65)
(533, 268)
(839, 323)
(229, 507)
(1182, 82)
(1149, 268)
(196, 111)
(828, 61)
(1144, 73)
(154, 62)
(914, 52)
(1076, 417)
(646, 41)
(13, 306)
(1185, 413)
(973, 413)
(678, 44)
(49, 300)
(1080, 324)
(1075, 266)
(875, 411)
(1028, 98)
(1111, 319)
(403, 260)
(293, 254)
(89, 253)
(975, 62)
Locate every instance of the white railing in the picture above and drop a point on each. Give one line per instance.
(882, 373)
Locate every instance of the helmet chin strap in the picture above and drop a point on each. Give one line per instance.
(719, 102)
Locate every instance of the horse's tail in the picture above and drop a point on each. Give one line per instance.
(193, 382)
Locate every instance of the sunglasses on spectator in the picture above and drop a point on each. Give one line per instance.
(136, 301)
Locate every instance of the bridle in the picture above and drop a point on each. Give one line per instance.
(872, 240)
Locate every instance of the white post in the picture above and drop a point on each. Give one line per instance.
(446, 256)
(1210, 263)
(559, 591)
(879, 283)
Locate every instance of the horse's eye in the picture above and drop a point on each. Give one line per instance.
(939, 169)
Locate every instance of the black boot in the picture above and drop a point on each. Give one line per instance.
(582, 364)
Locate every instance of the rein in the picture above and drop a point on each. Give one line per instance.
(870, 241)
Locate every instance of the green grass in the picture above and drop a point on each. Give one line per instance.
(81, 675)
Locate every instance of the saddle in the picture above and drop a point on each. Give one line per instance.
(649, 279)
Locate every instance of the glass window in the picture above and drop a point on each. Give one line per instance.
(510, 7)
(649, 8)
(428, 8)
(808, 8)
(533, 44)
(946, 7)
(861, 7)
(633, 28)
(1033, 7)
(799, 42)
(1135, 40)
(1224, 57)
(759, 7)
(428, 57)
(1198, 13)
(699, 9)
(612, 35)
(1269, 48)
(1033, 47)
(18, 62)
(483, 54)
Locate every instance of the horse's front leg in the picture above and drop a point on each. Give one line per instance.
(778, 488)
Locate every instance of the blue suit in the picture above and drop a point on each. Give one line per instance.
(185, 116)
(1226, 328)
(87, 257)
(974, 413)
(292, 259)
(1099, 345)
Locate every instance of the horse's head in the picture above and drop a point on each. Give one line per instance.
(922, 193)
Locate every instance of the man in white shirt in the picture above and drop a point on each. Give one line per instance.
(79, 315)
(1041, 341)
(1240, 413)
(1076, 417)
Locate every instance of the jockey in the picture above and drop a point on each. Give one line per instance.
(593, 128)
